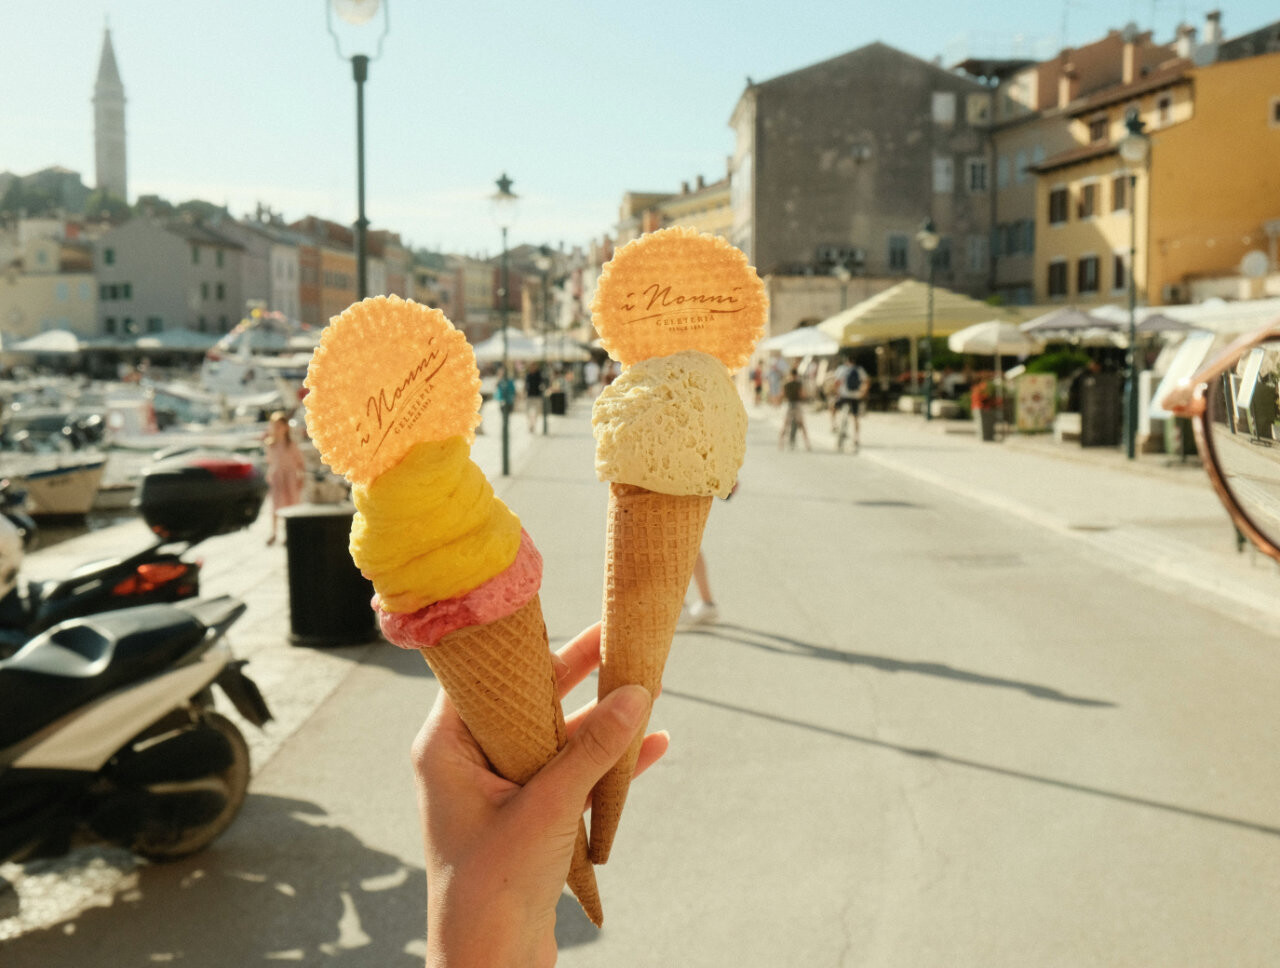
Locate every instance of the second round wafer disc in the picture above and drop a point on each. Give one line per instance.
(678, 289)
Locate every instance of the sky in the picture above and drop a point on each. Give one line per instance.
(578, 101)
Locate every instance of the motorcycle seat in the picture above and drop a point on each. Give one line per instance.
(79, 660)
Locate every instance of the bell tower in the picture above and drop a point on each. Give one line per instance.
(108, 124)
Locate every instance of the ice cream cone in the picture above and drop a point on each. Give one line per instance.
(651, 544)
(505, 690)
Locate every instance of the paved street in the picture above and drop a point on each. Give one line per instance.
(968, 705)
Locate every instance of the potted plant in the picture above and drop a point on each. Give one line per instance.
(985, 401)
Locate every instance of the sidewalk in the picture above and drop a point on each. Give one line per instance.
(1155, 512)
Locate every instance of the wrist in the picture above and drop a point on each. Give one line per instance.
(486, 935)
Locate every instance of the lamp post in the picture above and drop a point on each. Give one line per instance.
(928, 239)
(543, 262)
(1135, 149)
(504, 202)
(842, 273)
(358, 13)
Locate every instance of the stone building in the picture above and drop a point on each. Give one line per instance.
(837, 166)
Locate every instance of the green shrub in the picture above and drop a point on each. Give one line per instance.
(1061, 363)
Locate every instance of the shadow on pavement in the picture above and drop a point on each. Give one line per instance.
(989, 768)
(782, 645)
(298, 889)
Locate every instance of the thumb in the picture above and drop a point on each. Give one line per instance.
(598, 744)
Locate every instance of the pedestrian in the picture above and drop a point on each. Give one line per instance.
(497, 853)
(504, 392)
(793, 420)
(775, 382)
(850, 385)
(535, 385)
(757, 383)
(285, 468)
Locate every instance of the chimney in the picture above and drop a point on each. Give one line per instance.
(684, 188)
(1185, 44)
(701, 183)
(1213, 27)
(1129, 66)
(1067, 85)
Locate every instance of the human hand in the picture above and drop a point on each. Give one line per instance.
(498, 854)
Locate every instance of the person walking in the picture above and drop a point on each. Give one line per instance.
(793, 420)
(535, 384)
(285, 468)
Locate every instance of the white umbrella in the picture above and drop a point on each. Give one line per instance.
(993, 338)
(805, 341)
(561, 350)
(520, 348)
(50, 341)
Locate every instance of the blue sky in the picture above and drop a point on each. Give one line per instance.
(239, 101)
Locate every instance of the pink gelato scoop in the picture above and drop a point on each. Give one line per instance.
(502, 595)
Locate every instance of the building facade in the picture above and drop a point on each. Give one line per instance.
(839, 164)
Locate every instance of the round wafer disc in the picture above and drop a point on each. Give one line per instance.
(678, 289)
(388, 373)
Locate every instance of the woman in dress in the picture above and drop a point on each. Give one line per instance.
(285, 468)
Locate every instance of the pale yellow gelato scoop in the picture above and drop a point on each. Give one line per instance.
(671, 424)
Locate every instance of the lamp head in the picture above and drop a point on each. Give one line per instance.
(357, 13)
(928, 236)
(1135, 146)
(504, 203)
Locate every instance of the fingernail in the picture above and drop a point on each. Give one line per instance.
(630, 704)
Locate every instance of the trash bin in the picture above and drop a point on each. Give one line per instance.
(1101, 409)
(557, 403)
(328, 597)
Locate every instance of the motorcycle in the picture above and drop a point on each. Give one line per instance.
(109, 734)
(185, 500)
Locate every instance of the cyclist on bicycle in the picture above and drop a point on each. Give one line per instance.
(851, 388)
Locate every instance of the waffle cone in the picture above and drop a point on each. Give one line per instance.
(504, 689)
(651, 544)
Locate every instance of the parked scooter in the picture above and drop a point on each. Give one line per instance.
(185, 500)
(109, 733)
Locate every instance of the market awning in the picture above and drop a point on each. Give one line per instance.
(902, 312)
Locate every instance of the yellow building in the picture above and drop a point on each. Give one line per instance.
(702, 207)
(1215, 180)
(1205, 196)
(337, 280)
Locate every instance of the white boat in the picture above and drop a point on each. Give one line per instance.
(260, 356)
(57, 485)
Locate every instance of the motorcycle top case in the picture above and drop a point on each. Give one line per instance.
(195, 496)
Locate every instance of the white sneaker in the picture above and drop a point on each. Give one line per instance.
(699, 613)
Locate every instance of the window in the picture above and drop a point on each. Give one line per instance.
(977, 109)
(127, 326)
(1164, 109)
(1058, 277)
(1119, 271)
(976, 251)
(1020, 173)
(1119, 193)
(109, 324)
(899, 247)
(1098, 128)
(942, 256)
(85, 292)
(195, 255)
(204, 292)
(1087, 204)
(220, 292)
(217, 258)
(1058, 206)
(155, 324)
(126, 290)
(102, 292)
(944, 107)
(1275, 112)
(976, 174)
(1002, 171)
(109, 256)
(1087, 274)
(943, 174)
(1028, 235)
(62, 292)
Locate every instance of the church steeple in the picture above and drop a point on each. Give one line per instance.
(108, 124)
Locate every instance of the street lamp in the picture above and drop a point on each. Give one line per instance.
(928, 239)
(1135, 149)
(504, 203)
(842, 273)
(357, 13)
(543, 262)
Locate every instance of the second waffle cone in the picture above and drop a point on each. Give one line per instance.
(651, 544)
(505, 692)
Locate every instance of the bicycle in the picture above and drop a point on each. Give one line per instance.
(844, 428)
